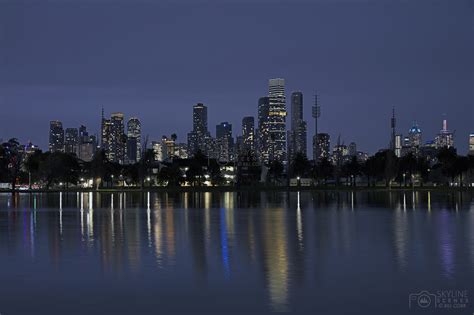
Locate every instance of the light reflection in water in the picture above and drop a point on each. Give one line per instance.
(222, 237)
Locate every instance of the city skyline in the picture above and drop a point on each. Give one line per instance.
(420, 67)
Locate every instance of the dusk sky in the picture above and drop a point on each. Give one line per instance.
(65, 59)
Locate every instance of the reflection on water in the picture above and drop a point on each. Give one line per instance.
(274, 251)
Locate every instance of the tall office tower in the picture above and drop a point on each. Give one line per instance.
(323, 145)
(56, 136)
(398, 145)
(414, 135)
(157, 150)
(316, 113)
(71, 141)
(297, 133)
(134, 145)
(277, 119)
(471, 144)
(168, 147)
(199, 137)
(224, 142)
(248, 134)
(445, 138)
(263, 135)
(352, 149)
(117, 139)
(393, 125)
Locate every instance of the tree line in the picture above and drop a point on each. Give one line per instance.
(384, 168)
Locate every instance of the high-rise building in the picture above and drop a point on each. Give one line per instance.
(248, 134)
(71, 141)
(224, 142)
(398, 145)
(323, 144)
(168, 147)
(199, 139)
(114, 139)
(157, 148)
(134, 140)
(445, 138)
(277, 119)
(297, 133)
(87, 145)
(316, 113)
(393, 123)
(414, 134)
(471, 144)
(56, 136)
(263, 134)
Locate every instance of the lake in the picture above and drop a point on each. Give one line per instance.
(361, 252)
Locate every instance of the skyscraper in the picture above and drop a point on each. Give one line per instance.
(224, 142)
(445, 138)
(199, 137)
(297, 133)
(118, 139)
(316, 113)
(113, 137)
(87, 145)
(277, 119)
(393, 135)
(134, 146)
(71, 141)
(248, 134)
(56, 136)
(414, 136)
(263, 136)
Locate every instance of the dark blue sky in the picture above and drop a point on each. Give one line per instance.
(64, 59)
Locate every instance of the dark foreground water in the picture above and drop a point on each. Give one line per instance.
(158, 253)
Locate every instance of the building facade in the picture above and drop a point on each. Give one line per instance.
(56, 136)
(277, 120)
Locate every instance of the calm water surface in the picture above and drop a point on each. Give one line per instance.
(309, 252)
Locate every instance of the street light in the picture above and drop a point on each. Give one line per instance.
(298, 181)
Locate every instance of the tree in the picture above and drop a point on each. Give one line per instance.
(447, 162)
(299, 166)
(351, 170)
(32, 166)
(324, 170)
(370, 169)
(461, 165)
(10, 161)
(275, 171)
(407, 167)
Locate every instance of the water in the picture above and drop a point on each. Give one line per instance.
(309, 252)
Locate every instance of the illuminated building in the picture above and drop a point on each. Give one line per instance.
(168, 147)
(134, 146)
(316, 113)
(263, 137)
(297, 133)
(414, 136)
(113, 137)
(277, 120)
(398, 145)
(445, 138)
(248, 134)
(157, 150)
(87, 145)
(323, 144)
(199, 139)
(71, 140)
(56, 136)
(224, 142)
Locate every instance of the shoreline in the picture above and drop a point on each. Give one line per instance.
(249, 189)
